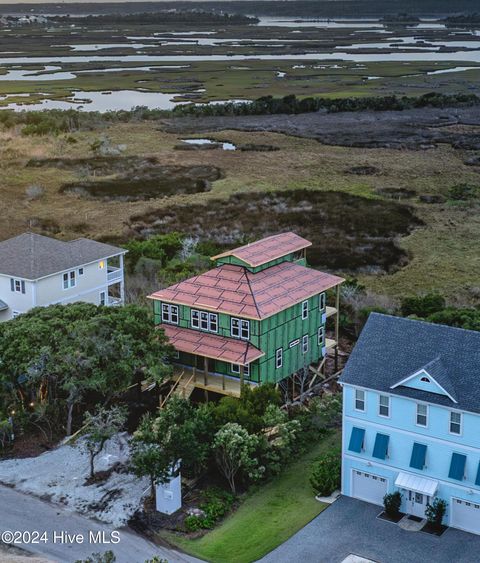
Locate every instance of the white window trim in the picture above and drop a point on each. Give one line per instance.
(304, 310)
(305, 343)
(322, 301)
(170, 306)
(450, 423)
(321, 336)
(426, 415)
(208, 320)
(22, 289)
(192, 324)
(69, 279)
(278, 358)
(364, 400)
(389, 406)
(104, 293)
(236, 369)
(240, 328)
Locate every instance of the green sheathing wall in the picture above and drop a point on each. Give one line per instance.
(283, 328)
(236, 262)
(184, 321)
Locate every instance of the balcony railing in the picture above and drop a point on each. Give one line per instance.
(114, 301)
(114, 274)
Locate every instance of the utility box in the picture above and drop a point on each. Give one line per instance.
(169, 494)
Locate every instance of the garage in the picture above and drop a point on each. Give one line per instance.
(465, 515)
(368, 487)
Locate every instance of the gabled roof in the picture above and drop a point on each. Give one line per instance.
(212, 345)
(437, 371)
(391, 349)
(267, 249)
(236, 291)
(31, 256)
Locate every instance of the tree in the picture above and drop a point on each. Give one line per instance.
(435, 512)
(60, 355)
(235, 451)
(100, 427)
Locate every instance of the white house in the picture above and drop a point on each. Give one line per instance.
(36, 271)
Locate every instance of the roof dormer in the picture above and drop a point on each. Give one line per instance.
(432, 378)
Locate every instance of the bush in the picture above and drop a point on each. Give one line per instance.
(435, 512)
(217, 504)
(422, 306)
(461, 318)
(463, 192)
(392, 503)
(325, 473)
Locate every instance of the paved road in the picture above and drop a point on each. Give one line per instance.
(25, 513)
(351, 526)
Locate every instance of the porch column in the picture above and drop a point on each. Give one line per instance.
(194, 370)
(205, 371)
(242, 374)
(122, 283)
(337, 325)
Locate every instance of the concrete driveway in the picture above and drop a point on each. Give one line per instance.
(350, 526)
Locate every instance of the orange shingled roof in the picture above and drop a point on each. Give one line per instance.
(267, 249)
(236, 291)
(211, 345)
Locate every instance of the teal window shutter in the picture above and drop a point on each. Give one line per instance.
(457, 467)
(381, 446)
(356, 440)
(477, 480)
(419, 453)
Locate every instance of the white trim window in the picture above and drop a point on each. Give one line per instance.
(304, 310)
(305, 344)
(204, 321)
(69, 279)
(246, 369)
(384, 406)
(422, 415)
(455, 423)
(360, 400)
(322, 301)
(278, 358)
(321, 336)
(240, 328)
(17, 286)
(103, 298)
(80, 271)
(170, 313)
(195, 318)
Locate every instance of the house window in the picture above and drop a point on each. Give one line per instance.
(321, 336)
(305, 344)
(204, 321)
(18, 286)
(246, 369)
(195, 319)
(69, 279)
(455, 423)
(425, 379)
(360, 400)
(240, 328)
(422, 414)
(170, 313)
(80, 271)
(384, 405)
(103, 298)
(305, 310)
(322, 301)
(279, 358)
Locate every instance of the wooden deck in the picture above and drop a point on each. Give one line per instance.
(215, 383)
(329, 311)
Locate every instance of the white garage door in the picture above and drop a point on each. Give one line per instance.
(465, 515)
(369, 487)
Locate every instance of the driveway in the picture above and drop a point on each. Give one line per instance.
(24, 513)
(350, 526)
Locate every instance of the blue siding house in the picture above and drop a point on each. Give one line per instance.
(411, 417)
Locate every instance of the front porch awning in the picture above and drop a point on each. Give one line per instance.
(211, 346)
(417, 484)
(3, 306)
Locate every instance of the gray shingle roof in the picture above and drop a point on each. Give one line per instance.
(392, 348)
(31, 256)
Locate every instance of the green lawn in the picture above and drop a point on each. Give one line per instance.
(266, 518)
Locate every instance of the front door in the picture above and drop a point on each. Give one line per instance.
(417, 503)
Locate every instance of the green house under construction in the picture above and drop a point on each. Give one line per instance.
(258, 316)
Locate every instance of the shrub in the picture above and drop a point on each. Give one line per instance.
(463, 192)
(325, 473)
(435, 512)
(423, 305)
(392, 503)
(217, 504)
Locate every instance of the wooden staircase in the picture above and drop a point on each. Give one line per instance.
(183, 387)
